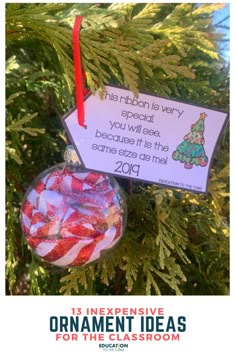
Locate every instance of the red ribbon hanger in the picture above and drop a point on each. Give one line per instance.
(80, 76)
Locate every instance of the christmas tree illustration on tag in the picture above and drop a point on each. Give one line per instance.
(191, 150)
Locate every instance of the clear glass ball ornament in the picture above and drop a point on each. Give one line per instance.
(70, 216)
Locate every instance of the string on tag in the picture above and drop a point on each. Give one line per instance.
(80, 76)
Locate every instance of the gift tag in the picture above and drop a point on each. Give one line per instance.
(149, 138)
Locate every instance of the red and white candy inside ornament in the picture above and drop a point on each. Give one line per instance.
(69, 216)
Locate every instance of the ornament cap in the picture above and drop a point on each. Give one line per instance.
(70, 155)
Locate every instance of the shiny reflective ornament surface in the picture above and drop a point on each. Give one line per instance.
(70, 217)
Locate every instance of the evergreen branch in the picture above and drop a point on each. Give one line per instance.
(13, 154)
(150, 10)
(28, 24)
(18, 124)
(14, 10)
(207, 9)
(12, 97)
(224, 27)
(31, 131)
(222, 21)
(71, 285)
(124, 8)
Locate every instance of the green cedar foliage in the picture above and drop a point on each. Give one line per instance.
(176, 242)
